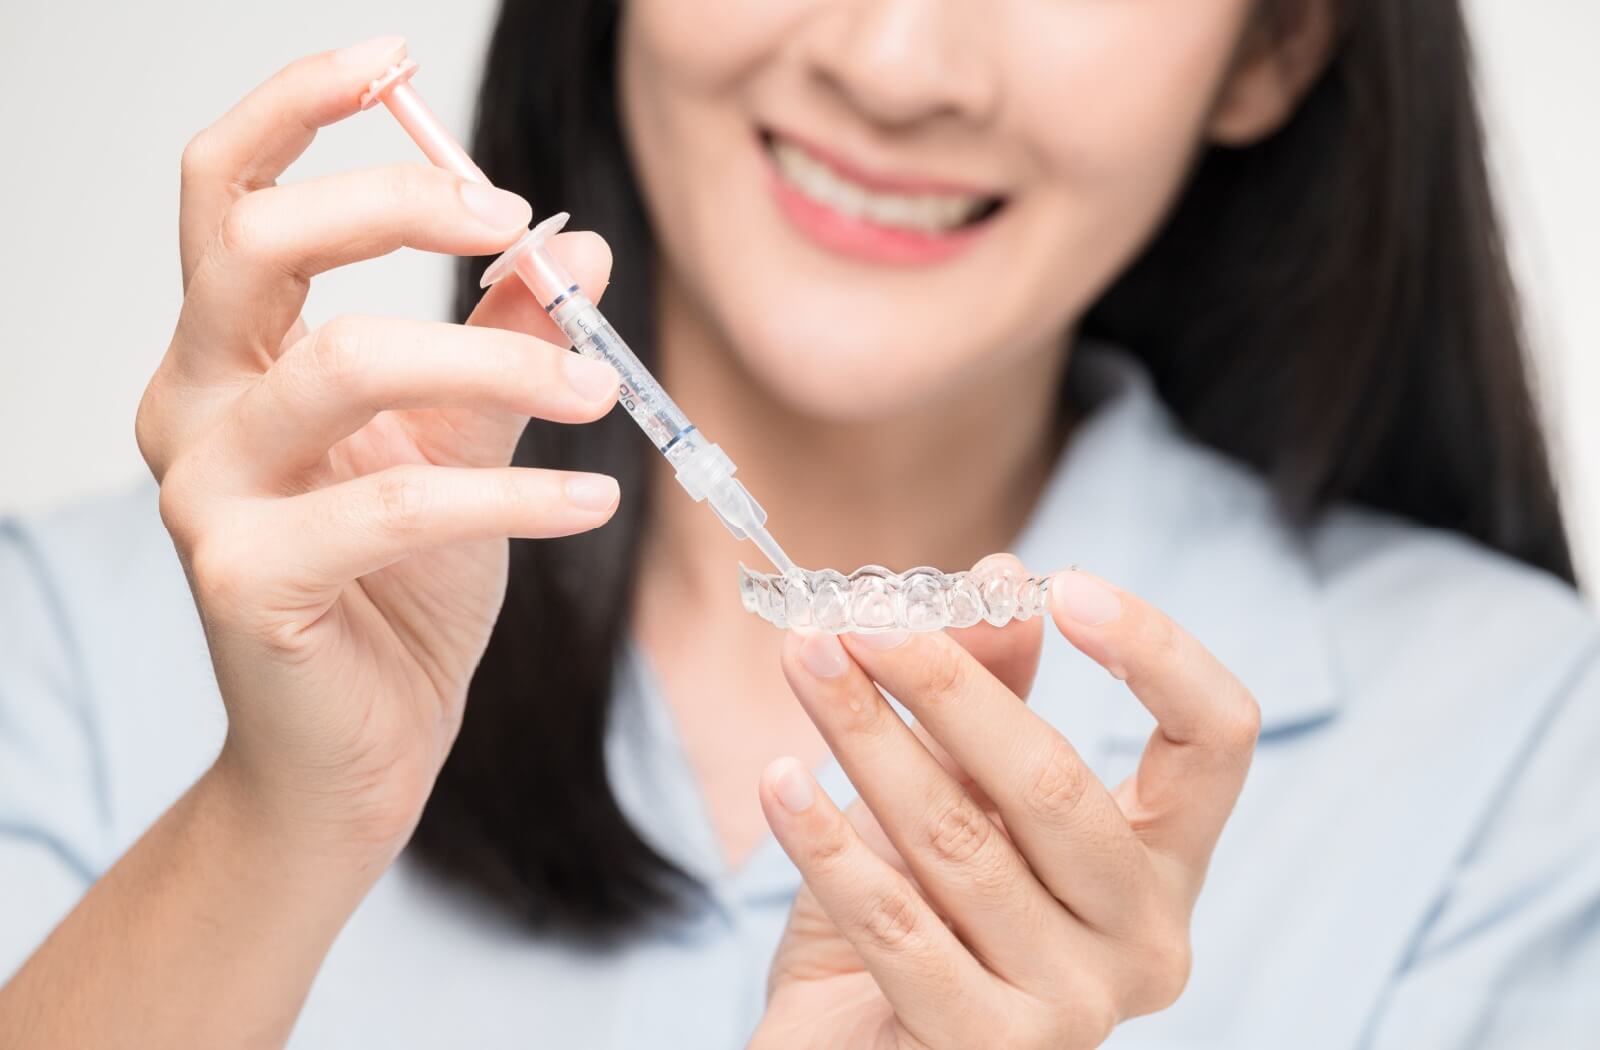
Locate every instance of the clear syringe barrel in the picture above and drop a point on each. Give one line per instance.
(592, 336)
(640, 395)
(703, 469)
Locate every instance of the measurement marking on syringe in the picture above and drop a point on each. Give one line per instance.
(676, 437)
(558, 300)
(704, 470)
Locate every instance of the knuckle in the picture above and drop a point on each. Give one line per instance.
(889, 919)
(1095, 1015)
(220, 580)
(285, 637)
(1042, 1027)
(830, 851)
(522, 363)
(1240, 726)
(945, 681)
(865, 715)
(516, 489)
(148, 432)
(1084, 1010)
(242, 232)
(1160, 638)
(960, 833)
(197, 160)
(408, 186)
(1168, 960)
(1058, 783)
(336, 356)
(400, 498)
(176, 507)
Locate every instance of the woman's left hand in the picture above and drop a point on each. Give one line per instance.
(993, 892)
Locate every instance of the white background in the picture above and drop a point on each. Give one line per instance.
(98, 105)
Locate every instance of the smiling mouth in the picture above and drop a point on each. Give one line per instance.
(924, 213)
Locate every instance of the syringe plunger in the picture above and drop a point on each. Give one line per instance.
(703, 469)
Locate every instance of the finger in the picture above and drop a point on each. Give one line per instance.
(1206, 721)
(1011, 653)
(960, 859)
(258, 138)
(334, 381)
(1058, 814)
(509, 304)
(340, 533)
(937, 989)
(272, 242)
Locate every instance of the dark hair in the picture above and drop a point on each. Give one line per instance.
(1331, 305)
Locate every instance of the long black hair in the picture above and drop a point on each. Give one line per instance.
(1331, 305)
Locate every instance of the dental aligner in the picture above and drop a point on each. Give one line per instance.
(873, 599)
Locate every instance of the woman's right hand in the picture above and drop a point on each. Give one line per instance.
(341, 496)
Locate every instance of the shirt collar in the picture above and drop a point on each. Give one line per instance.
(1137, 501)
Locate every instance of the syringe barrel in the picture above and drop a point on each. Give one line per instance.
(703, 469)
(640, 395)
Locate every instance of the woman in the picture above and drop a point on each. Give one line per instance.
(1206, 295)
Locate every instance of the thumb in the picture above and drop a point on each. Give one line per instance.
(509, 304)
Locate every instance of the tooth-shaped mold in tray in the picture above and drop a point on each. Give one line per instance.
(872, 599)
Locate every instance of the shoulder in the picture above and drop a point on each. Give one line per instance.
(1475, 680)
(104, 639)
(1469, 680)
(1442, 610)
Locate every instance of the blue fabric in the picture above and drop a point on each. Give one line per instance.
(1415, 860)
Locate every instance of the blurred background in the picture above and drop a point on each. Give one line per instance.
(98, 106)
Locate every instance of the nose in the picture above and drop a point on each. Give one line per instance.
(904, 61)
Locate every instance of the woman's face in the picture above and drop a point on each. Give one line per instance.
(874, 201)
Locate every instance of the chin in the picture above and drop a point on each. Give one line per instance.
(843, 380)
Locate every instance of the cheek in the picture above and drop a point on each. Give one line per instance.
(703, 43)
(1104, 106)
(1115, 104)
(811, 329)
(1112, 84)
(683, 98)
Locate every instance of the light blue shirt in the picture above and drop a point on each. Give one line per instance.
(1415, 861)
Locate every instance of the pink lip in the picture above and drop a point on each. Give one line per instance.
(860, 239)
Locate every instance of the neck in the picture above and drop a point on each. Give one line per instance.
(941, 483)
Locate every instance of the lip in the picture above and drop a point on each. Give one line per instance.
(858, 238)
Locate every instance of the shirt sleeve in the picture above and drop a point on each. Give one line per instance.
(1511, 958)
(53, 819)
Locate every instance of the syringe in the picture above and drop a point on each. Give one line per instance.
(703, 469)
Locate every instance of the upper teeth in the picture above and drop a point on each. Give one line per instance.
(920, 212)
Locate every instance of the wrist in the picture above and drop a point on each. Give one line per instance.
(305, 828)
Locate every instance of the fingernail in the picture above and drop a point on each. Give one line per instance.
(593, 380)
(792, 785)
(497, 208)
(592, 491)
(823, 656)
(1084, 599)
(886, 640)
(372, 54)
